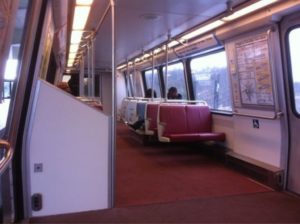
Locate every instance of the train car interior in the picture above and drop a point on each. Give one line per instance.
(149, 111)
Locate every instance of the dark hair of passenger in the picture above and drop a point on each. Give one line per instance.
(172, 93)
(148, 93)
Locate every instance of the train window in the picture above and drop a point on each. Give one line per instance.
(12, 61)
(294, 48)
(176, 78)
(156, 84)
(211, 81)
(130, 83)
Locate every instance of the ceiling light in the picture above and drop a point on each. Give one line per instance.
(84, 2)
(76, 36)
(157, 50)
(173, 43)
(72, 55)
(74, 48)
(81, 14)
(248, 9)
(121, 66)
(203, 29)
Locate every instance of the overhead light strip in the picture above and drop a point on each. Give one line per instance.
(81, 13)
(247, 10)
(215, 24)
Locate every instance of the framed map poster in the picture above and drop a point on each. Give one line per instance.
(250, 71)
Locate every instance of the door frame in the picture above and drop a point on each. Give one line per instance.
(286, 25)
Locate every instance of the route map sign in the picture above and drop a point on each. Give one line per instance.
(250, 70)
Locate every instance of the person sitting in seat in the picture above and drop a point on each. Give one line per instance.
(173, 94)
(139, 124)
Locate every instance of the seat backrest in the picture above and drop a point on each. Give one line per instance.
(140, 110)
(131, 115)
(151, 116)
(198, 119)
(173, 117)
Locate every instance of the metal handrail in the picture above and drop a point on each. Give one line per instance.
(8, 154)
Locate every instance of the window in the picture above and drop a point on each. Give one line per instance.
(156, 84)
(130, 84)
(11, 64)
(176, 78)
(294, 48)
(210, 80)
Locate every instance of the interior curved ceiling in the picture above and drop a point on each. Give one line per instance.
(144, 24)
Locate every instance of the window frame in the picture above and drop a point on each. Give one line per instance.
(290, 72)
(189, 68)
(184, 76)
(145, 80)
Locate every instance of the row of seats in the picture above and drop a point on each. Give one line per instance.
(172, 122)
(186, 123)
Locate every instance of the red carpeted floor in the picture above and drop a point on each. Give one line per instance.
(165, 173)
(183, 184)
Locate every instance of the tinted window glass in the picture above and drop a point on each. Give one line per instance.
(176, 78)
(210, 80)
(294, 47)
(156, 84)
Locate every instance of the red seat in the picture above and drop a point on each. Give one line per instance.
(186, 123)
(151, 118)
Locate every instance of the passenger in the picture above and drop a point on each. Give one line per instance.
(149, 93)
(173, 94)
(74, 84)
(139, 124)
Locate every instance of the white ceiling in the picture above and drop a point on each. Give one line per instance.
(135, 33)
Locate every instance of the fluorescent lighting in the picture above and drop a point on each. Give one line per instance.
(121, 66)
(145, 56)
(203, 29)
(80, 17)
(173, 43)
(84, 2)
(157, 50)
(76, 36)
(248, 9)
(74, 48)
(71, 60)
(72, 55)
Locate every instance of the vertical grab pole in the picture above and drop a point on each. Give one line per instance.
(152, 84)
(89, 71)
(134, 80)
(93, 68)
(113, 109)
(166, 75)
(81, 77)
(126, 77)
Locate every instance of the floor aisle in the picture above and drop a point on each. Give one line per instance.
(168, 184)
(165, 173)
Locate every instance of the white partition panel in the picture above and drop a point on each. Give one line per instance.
(70, 140)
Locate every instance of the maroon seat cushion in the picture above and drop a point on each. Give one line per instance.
(198, 119)
(151, 115)
(174, 119)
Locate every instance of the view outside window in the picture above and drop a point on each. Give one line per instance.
(176, 78)
(156, 85)
(294, 37)
(12, 63)
(130, 84)
(211, 81)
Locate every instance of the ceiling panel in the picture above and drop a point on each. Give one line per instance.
(143, 24)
